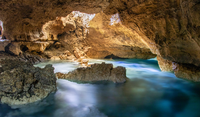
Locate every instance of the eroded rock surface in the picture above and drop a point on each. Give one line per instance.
(170, 28)
(187, 71)
(96, 72)
(22, 83)
(165, 65)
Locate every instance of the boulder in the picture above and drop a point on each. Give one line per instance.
(22, 83)
(96, 72)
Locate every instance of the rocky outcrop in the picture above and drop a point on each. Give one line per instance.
(22, 83)
(165, 65)
(84, 35)
(170, 28)
(187, 71)
(96, 72)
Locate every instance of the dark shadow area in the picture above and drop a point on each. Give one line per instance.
(113, 57)
(23, 48)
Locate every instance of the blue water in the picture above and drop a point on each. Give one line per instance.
(148, 93)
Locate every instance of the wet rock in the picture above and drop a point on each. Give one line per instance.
(187, 71)
(22, 83)
(96, 72)
(165, 65)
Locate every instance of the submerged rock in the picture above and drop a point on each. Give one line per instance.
(96, 72)
(22, 83)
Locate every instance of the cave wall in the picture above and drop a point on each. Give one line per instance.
(170, 28)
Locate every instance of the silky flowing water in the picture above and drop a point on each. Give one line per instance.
(148, 93)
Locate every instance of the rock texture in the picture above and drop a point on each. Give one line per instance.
(97, 72)
(22, 83)
(170, 28)
(81, 35)
(165, 65)
(108, 38)
(186, 71)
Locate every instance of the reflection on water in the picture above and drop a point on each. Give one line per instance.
(148, 93)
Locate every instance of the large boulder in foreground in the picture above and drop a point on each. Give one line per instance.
(96, 72)
(22, 83)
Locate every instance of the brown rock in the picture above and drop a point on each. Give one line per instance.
(108, 38)
(3, 44)
(97, 72)
(13, 48)
(165, 65)
(56, 58)
(22, 83)
(36, 46)
(170, 28)
(187, 71)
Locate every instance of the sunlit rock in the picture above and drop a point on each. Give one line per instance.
(96, 72)
(22, 83)
(165, 65)
(170, 29)
(56, 58)
(107, 36)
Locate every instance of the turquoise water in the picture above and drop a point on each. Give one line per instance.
(148, 93)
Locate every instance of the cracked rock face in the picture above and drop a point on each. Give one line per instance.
(96, 72)
(22, 83)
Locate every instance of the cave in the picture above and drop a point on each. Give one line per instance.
(145, 53)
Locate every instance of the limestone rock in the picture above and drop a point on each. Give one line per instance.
(13, 48)
(31, 58)
(187, 71)
(108, 37)
(165, 65)
(170, 28)
(3, 44)
(36, 46)
(56, 58)
(22, 83)
(97, 72)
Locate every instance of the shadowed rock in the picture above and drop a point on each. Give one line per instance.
(97, 72)
(22, 83)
